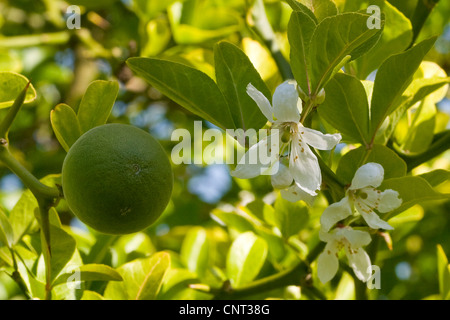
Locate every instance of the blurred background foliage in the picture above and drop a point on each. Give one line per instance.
(35, 41)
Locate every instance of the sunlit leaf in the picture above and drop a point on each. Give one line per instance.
(195, 251)
(11, 85)
(142, 278)
(65, 125)
(245, 258)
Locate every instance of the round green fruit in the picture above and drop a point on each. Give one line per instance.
(117, 179)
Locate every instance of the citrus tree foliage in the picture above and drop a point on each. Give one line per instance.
(354, 201)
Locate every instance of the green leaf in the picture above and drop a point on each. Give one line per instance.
(234, 71)
(91, 295)
(11, 85)
(300, 7)
(232, 220)
(392, 79)
(443, 272)
(396, 36)
(22, 215)
(142, 278)
(97, 103)
(323, 8)
(195, 251)
(334, 39)
(62, 249)
(300, 30)
(190, 88)
(290, 217)
(65, 125)
(436, 177)
(346, 107)
(394, 166)
(412, 190)
(245, 258)
(90, 272)
(6, 230)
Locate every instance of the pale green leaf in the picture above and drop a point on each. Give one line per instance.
(443, 272)
(65, 125)
(89, 272)
(245, 258)
(142, 279)
(195, 251)
(11, 85)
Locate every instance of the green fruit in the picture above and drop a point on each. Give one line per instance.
(117, 179)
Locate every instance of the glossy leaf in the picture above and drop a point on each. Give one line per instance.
(300, 30)
(290, 217)
(337, 39)
(6, 230)
(11, 85)
(412, 190)
(97, 103)
(245, 258)
(234, 71)
(195, 251)
(65, 125)
(396, 36)
(436, 177)
(394, 166)
(142, 278)
(392, 79)
(62, 249)
(187, 86)
(346, 107)
(443, 272)
(90, 272)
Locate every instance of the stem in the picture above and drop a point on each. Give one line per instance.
(39, 190)
(298, 275)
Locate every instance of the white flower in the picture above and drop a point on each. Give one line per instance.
(352, 241)
(289, 139)
(363, 195)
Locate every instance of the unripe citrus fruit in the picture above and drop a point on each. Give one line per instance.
(117, 179)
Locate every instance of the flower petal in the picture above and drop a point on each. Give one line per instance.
(371, 218)
(389, 201)
(370, 174)
(334, 213)
(282, 179)
(319, 140)
(294, 194)
(261, 100)
(286, 103)
(356, 238)
(304, 166)
(259, 158)
(359, 260)
(327, 263)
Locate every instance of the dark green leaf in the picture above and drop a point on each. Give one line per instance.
(436, 177)
(392, 79)
(290, 217)
(234, 71)
(190, 88)
(300, 30)
(346, 107)
(338, 39)
(97, 103)
(393, 165)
